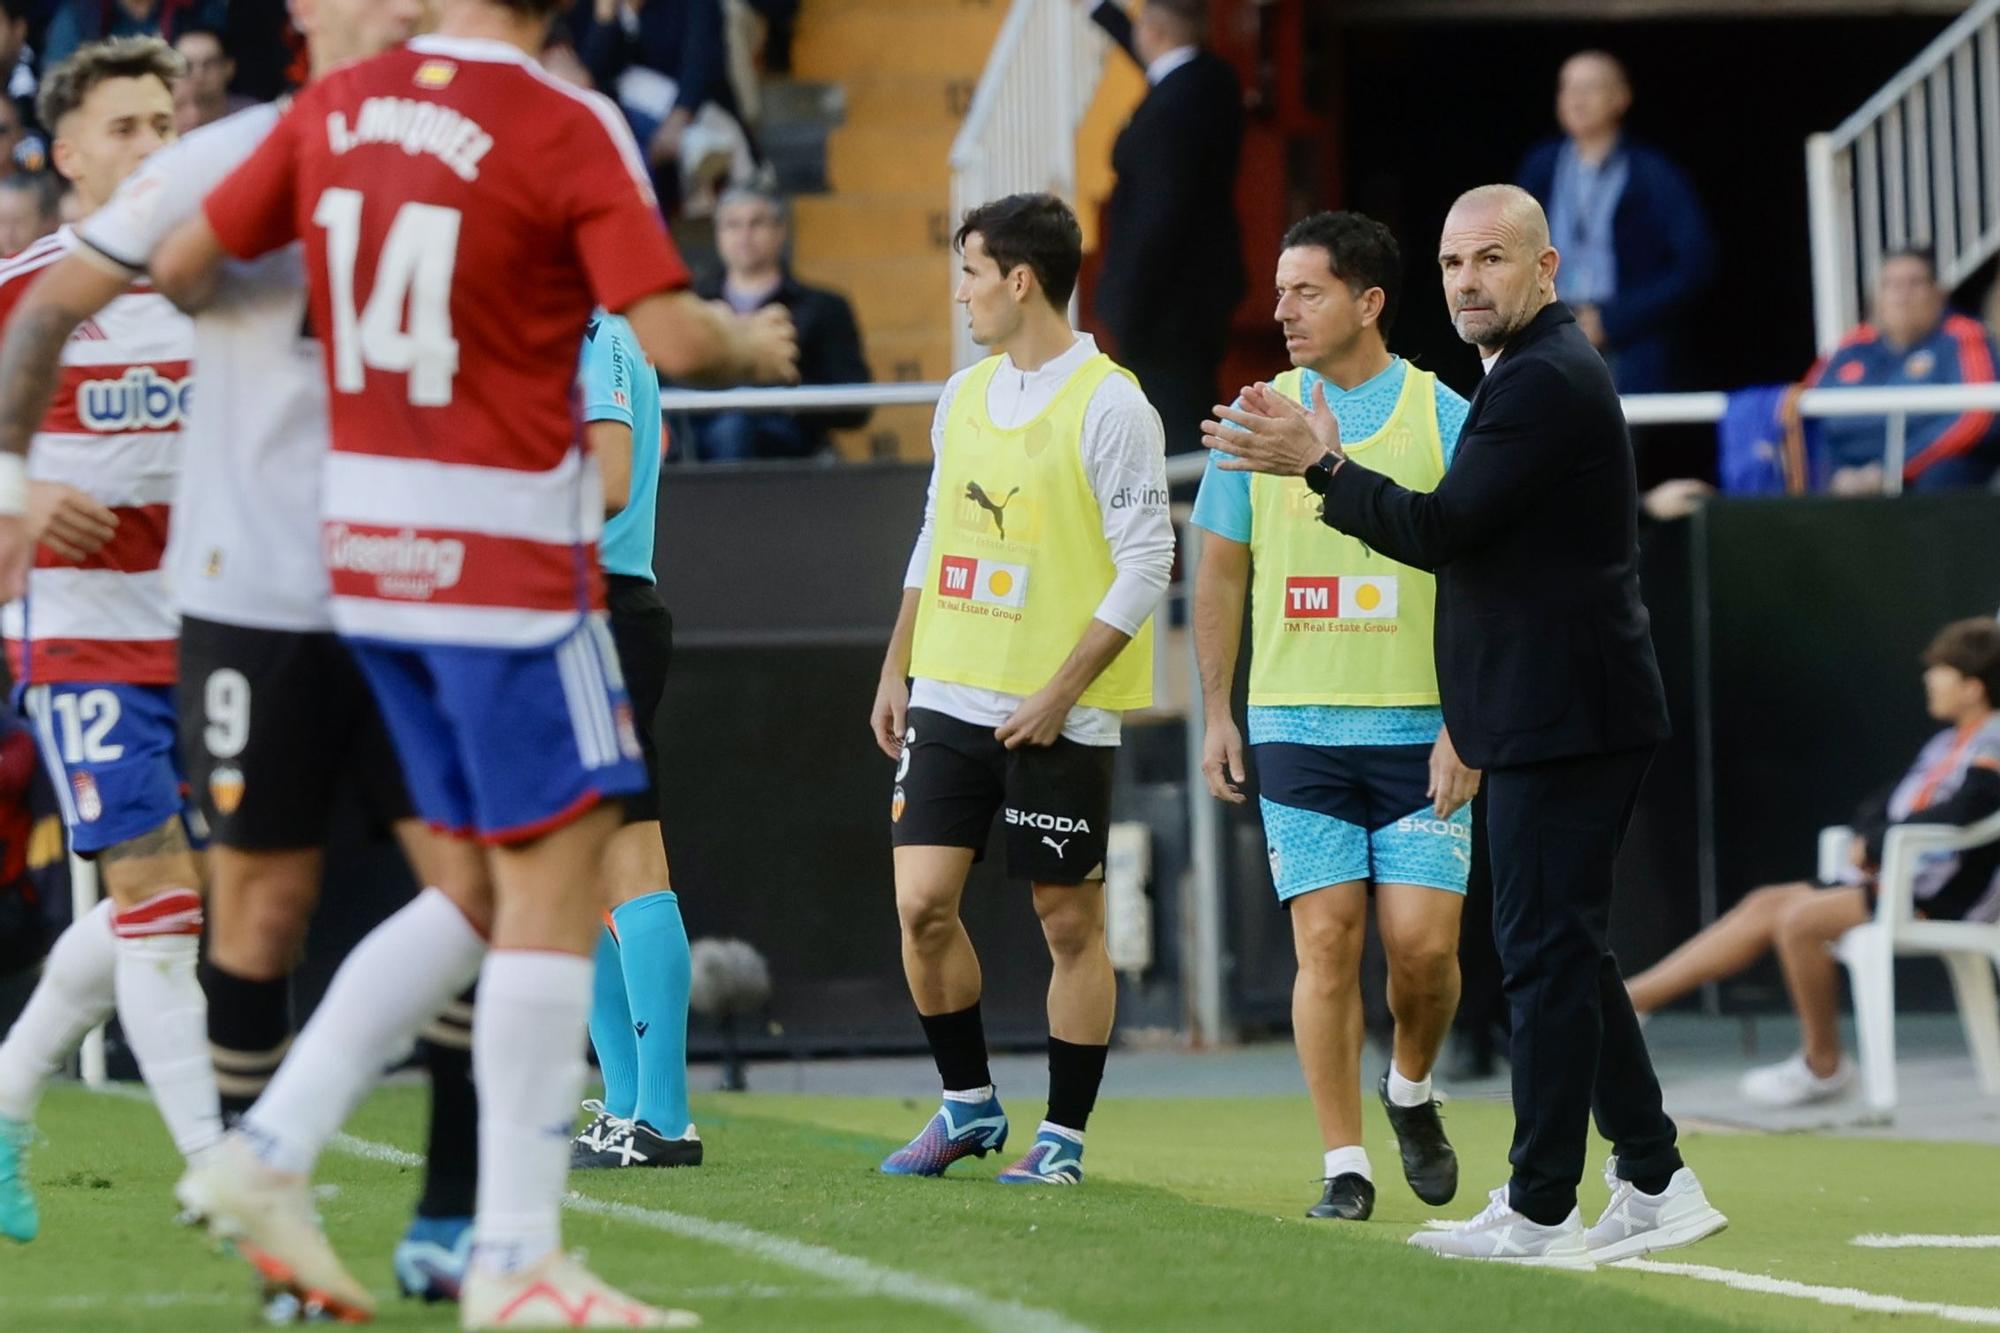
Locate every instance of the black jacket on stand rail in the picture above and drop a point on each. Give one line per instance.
(1544, 648)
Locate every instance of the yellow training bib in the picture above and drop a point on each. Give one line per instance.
(1333, 622)
(1018, 559)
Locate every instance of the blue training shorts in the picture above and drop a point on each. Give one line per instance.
(113, 754)
(1338, 813)
(508, 744)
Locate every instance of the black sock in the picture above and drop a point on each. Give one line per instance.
(958, 1044)
(249, 1031)
(1074, 1075)
(451, 1165)
(1654, 1184)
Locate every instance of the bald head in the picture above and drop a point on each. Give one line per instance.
(1498, 267)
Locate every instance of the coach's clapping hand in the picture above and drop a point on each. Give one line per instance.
(1039, 719)
(1268, 432)
(67, 521)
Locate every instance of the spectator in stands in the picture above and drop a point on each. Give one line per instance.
(1955, 780)
(203, 97)
(24, 931)
(16, 60)
(1173, 251)
(27, 210)
(1636, 247)
(750, 236)
(1912, 339)
(75, 22)
(666, 64)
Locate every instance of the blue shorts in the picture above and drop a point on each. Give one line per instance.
(113, 754)
(1337, 813)
(507, 744)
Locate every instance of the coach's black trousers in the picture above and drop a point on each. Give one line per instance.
(1554, 830)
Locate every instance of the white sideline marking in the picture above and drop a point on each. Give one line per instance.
(1876, 1242)
(858, 1275)
(1846, 1297)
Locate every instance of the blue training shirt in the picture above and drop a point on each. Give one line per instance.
(1222, 506)
(620, 385)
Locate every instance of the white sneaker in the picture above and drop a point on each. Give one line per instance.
(1793, 1083)
(1501, 1235)
(268, 1216)
(1636, 1223)
(558, 1292)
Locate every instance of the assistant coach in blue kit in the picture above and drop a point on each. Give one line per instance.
(1548, 682)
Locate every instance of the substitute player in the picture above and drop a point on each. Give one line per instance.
(462, 212)
(91, 646)
(639, 1010)
(276, 715)
(1026, 622)
(1361, 792)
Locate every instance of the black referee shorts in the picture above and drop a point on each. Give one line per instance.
(643, 631)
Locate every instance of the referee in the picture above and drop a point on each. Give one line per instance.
(1546, 671)
(1026, 622)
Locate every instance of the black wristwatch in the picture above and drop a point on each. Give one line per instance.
(1319, 477)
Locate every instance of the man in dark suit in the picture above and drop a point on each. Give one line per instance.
(1173, 252)
(1548, 682)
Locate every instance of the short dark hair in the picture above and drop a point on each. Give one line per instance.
(1921, 254)
(41, 185)
(1361, 252)
(1972, 648)
(201, 30)
(66, 87)
(540, 9)
(1038, 230)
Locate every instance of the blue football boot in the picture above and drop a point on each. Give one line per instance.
(432, 1256)
(1053, 1160)
(959, 1129)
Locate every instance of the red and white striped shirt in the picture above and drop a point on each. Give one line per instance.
(113, 432)
(462, 212)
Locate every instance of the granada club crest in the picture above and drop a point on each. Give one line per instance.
(89, 805)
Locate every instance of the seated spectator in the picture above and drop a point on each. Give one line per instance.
(17, 66)
(666, 64)
(75, 22)
(1912, 339)
(750, 236)
(1635, 244)
(1955, 780)
(27, 210)
(203, 97)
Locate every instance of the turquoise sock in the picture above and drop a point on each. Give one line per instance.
(653, 946)
(611, 1033)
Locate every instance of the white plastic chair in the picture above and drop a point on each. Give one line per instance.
(1970, 950)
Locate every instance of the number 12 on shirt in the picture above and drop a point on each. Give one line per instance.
(406, 327)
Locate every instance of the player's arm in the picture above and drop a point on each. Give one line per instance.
(606, 380)
(892, 693)
(188, 263)
(250, 213)
(1124, 454)
(697, 342)
(610, 443)
(1221, 582)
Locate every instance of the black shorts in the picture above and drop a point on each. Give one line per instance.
(1055, 800)
(272, 723)
(643, 630)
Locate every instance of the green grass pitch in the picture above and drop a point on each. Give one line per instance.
(1191, 1218)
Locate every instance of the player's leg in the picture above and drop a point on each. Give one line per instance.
(1809, 926)
(1058, 833)
(259, 904)
(1738, 938)
(949, 783)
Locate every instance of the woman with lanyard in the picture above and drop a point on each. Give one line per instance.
(1955, 780)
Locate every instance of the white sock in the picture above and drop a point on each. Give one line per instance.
(1405, 1092)
(527, 1058)
(400, 977)
(1349, 1162)
(1060, 1131)
(165, 1015)
(970, 1096)
(76, 993)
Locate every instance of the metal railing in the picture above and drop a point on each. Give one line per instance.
(1020, 131)
(1917, 165)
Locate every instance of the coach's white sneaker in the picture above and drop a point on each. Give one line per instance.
(558, 1292)
(1636, 1223)
(1503, 1235)
(268, 1216)
(1793, 1083)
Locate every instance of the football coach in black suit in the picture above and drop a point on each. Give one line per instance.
(1549, 684)
(1173, 251)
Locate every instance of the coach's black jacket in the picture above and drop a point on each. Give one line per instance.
(1544, 648)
